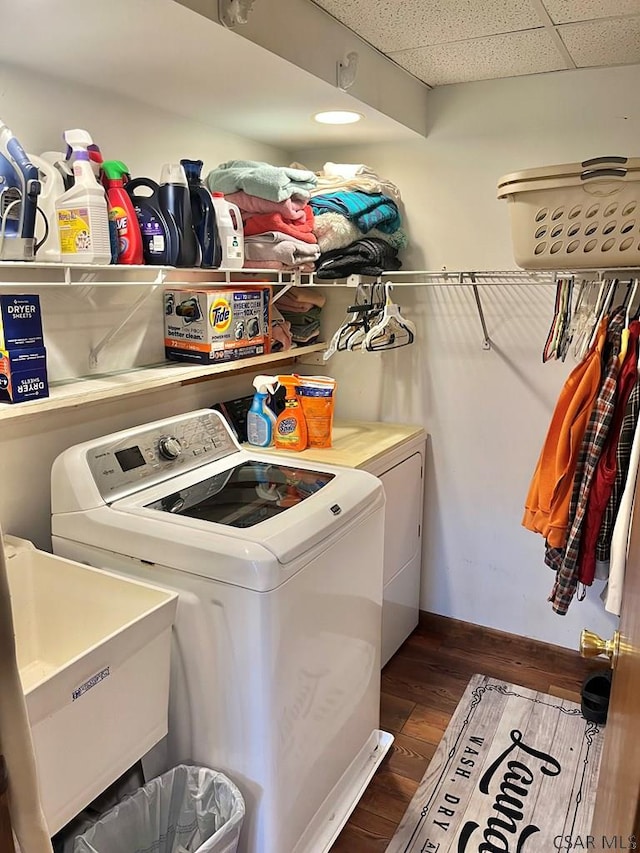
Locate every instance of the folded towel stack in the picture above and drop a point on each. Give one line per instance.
(301, 308)
(357, 221)
(369, 256)
(278, 221)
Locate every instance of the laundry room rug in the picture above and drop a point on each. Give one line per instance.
(515, 771)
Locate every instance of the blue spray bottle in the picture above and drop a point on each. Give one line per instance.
(260, 419)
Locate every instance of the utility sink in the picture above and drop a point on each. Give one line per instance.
(93, 652)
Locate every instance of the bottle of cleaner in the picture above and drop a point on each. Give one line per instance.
(81, 212)
(260, 419)
(47, 236)
(230, 232)
(159, 236)
(203, 215)
(291, 426)
(175, 202)
(96, 159)
(122, 213)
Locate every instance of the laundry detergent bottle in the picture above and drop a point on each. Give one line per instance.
(203, 215)
(175, 203)
(122, 213)
(230, 232)
(81, 212)
(291, 426)
(160, 243)
(260, 419)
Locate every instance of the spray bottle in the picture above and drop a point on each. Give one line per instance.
(291, 426)
(260, 418)
(122, 212)
(47, 234)
(81, 212)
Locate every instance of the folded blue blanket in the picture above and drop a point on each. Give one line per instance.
(365, 210)
(274, 183)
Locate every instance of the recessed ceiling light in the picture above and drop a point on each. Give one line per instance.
(338, 117)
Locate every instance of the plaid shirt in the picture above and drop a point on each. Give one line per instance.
(623, 454)
(566, 561)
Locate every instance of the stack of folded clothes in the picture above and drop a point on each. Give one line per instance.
(301, 307)
(369, 256)
(280, 331)
(357, 221)
(274, 202)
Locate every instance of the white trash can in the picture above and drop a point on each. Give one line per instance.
(187, 810)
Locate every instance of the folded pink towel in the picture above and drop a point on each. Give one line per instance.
(302, 229)
(305, 294)
(292, 208)
(280, 330)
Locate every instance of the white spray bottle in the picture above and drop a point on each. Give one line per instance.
(82, 212)
(260, 419)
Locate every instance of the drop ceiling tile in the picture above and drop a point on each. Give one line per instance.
(607, 42)
(567, 11)
(393, 25)
(507, 55)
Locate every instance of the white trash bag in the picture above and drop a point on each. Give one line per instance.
(187, 810)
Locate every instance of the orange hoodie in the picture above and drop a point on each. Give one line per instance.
(549, 497)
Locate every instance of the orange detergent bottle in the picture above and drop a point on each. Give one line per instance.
(291, 426)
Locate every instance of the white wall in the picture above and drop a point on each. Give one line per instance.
(38, 109)
(486, 412)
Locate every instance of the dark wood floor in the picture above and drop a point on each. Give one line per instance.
(421, 686)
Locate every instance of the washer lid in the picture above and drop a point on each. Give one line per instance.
(285, 509)
(244, 495)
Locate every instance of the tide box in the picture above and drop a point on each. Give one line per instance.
(20, 322)
(216, 325)
(23, 374)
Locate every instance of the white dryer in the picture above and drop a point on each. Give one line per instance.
(278, 565)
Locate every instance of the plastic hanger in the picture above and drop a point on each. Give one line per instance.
(351, 321)
(624, 340)
(393, 330)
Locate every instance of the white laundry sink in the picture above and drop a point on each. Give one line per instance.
(93, 652)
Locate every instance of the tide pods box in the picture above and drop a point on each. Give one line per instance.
(23, 374)
(218, 324)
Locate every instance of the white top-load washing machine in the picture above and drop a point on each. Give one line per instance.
(278, 565)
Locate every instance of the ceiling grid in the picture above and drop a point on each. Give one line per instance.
(455, 41)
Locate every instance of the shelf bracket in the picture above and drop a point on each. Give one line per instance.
(486, 340)
(287, 286)
(111, 334)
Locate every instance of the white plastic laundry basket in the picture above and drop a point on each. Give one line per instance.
(575, 216)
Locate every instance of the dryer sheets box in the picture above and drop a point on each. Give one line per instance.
(211, 325)
(23, 375)
(20, 321)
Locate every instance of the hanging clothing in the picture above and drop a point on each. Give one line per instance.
(548, 501)
(594, 440)
(623, 462)
(620, 537)
(605, 474)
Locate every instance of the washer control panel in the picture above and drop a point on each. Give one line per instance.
(123, 465)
